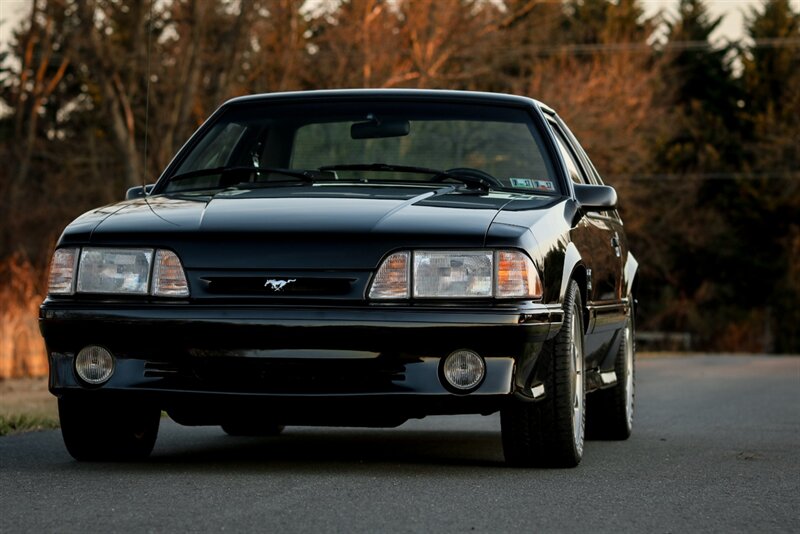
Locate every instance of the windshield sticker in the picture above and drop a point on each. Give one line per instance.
(527, 183)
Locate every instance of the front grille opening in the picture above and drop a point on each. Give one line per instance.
(308, 376)
(278, 287)
(162, 369)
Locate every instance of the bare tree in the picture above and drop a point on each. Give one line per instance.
(44, 61)
(112, 51)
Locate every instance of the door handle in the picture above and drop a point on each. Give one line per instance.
(615, 244)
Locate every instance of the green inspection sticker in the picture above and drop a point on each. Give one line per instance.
(527, 183)
(522, 182)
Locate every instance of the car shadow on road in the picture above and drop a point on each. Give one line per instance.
(335, 449)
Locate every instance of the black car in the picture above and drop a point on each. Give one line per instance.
(352, 258)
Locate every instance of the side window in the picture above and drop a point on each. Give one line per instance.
(588, 166)
(215, 148)
(575, 173)
(591, 171)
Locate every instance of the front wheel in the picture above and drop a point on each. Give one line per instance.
(97, 430)
(551, 432)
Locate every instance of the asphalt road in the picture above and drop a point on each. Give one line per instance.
(716, 447)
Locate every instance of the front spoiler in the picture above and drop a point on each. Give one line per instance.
(278, 356)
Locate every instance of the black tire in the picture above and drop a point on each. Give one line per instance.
(99, 430)
(250, 429)
(609, 412)
(550, 433)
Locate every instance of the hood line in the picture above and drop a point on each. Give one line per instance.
(489, 226)
(104, 219)
(408, 202)
(146, 201)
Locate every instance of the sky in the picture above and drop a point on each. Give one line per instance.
(730, 29)
(732, 11)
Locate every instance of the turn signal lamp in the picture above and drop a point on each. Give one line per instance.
(62, 271)
(169, 279)
(391, 281)
(516, 276)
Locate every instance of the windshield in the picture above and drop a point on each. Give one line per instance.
(384, 141)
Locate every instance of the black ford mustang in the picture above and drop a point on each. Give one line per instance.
(354, 257)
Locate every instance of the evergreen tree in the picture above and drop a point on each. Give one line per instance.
(760, 212)
(772, 82)
(604, 22)
(699, 141)
(625, 23)
(584, 21)
(701, 88)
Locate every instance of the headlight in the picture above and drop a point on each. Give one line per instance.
(457, 274)
(119, 271)
(452, 274)
(115, 270)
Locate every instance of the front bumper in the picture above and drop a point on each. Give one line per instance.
(197, 359)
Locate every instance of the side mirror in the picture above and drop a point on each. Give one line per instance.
(596, 197)
(140, 191)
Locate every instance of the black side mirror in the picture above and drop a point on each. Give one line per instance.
(596, 197)
(140, 191)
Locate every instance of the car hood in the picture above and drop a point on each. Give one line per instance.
(328, 226)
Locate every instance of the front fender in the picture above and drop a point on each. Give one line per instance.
(629, 273)
(572, 260)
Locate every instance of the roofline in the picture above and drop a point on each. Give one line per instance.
(421, 94)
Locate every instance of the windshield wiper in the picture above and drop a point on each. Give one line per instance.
(225, 172)
(470, 177)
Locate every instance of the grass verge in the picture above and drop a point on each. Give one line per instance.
(15, 424)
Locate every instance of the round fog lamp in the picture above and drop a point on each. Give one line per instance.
(464, 369)
(94, 364)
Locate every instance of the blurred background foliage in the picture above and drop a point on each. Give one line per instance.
(701, 139)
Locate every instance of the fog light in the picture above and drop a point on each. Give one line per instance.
(464, 369)
(94, 364)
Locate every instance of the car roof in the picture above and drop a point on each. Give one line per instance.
(411, 94)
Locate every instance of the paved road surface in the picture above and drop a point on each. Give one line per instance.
(716, 447)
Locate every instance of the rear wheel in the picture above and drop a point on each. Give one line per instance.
(551, 432)
(609, 412)
(97, 430)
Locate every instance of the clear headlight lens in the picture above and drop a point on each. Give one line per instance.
(457, 274)
(123, 271)
(169, 279)
(62, 271)
(114, 270)
(452, 274)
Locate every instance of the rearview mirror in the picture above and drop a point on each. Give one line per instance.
(375, 129)
(140, 191)
(596, 197)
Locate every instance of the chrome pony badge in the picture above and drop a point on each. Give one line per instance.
(278, 285)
